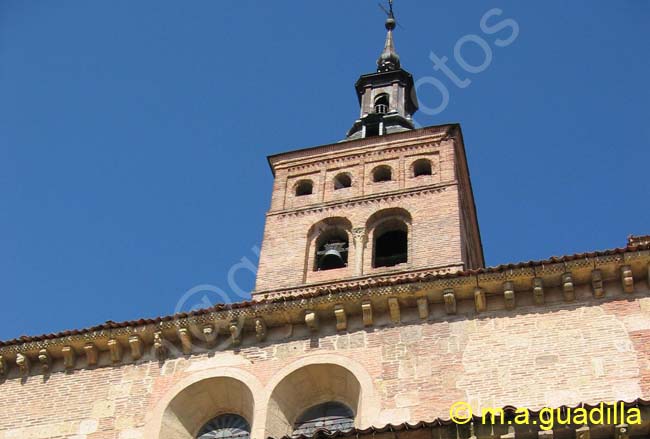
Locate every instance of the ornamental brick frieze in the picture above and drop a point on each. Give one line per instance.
(339, 309)
(397, 147)
(379, 199)
(315, 164)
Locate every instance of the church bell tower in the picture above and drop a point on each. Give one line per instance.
(389, 201)
(387, 97)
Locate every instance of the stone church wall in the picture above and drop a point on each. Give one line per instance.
(563, 353)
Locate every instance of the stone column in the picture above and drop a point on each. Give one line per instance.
(359, 235)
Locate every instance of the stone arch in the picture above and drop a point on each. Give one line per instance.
(334, 226)
(388, 221)
(199, 398)
(323, 378)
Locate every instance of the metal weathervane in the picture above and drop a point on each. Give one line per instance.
(389, 11)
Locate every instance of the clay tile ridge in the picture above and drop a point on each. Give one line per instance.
(322, 290)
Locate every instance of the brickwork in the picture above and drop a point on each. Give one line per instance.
(443, 227)
(567, 354)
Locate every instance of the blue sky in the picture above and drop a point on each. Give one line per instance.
(134, 135)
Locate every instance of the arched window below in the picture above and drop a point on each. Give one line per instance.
(342, 181)
(381, 104)
(332, 250)
(421, 167)
(331, 416)
(382, 173)
(304, 187)
(391, 245)
(228, 426)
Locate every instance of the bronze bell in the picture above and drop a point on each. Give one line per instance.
(332, 256)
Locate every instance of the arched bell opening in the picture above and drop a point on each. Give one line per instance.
(390, 235)
(382, 104)
(329, 247)
(304, 188)
(342, 181)
(422, 167)
(332, 249)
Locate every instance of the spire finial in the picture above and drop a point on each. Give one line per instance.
(389, 60)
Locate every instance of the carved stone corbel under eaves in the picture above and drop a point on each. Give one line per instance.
(597, 283)
(311, 320)
(583, 432)
(341, 318)
(622, 431)
(568, 287)
(260, 329)
(538, 291)
(69, 357)
(92, 354)
(394, 311)
(3, 367)
(450, 301)
(423, 307)
(480, 300)
(627, 279)
(509, 295)
(235, 333)
(159, 348)
(22, 361)
(366, 311)
(115, 349)
(208, 332)
(185, 336)
(45, 360)
(135, 343)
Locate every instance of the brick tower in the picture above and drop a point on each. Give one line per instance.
(388, 200)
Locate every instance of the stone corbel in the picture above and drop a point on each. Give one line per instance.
(622, 431)
(450, 301)
(159, 348)
(208, 333)
(509, 295)
(366, 311)
(260, 329)
(423, 307)
(538, 291)
(341, 318)
(311, 320)
(568, 288)
(92, 354)
(22, 361)
(235, 332)
(135, 343)
(393, 309)
(185, 336)
(69, 357)
(3, 367)
(583, 432)
(115, 349)
(45, 360)
(480, 299)
(627, 279)
(597, 283)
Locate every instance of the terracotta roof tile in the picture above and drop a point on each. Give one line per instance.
(321, 290)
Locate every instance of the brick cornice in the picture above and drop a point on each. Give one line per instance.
(610, 275)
